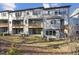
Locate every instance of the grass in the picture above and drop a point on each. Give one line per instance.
(14, 39)
(37, 44)
(34, 41)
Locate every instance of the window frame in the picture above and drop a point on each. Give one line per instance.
(51, 32)
(18, 14)
(3, 14)
(53, 21)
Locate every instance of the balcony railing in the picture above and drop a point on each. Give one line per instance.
(34, 16)
(53, 16)
(36, 25)
(3, 24)
(52, 27)
(3, 18)
(17, 25)
(18, 18)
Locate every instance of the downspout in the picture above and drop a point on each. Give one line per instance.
(68, 22)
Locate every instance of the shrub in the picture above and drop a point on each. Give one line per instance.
(1, 33)
(11, 50)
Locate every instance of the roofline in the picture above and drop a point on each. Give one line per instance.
(5, 11)
(43, 8)
(27, 9)
(74, 15)
(59, 7)
(37, 8)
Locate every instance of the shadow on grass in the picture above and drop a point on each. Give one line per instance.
(56, 45)
(44, 41)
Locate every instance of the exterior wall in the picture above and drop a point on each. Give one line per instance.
(48, 25)
(56, 14)
(54, 27)
(26, 30)
(47, 15)
(10, 24)
(74, 27)
(4, 25)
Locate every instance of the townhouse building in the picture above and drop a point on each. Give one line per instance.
(42, 21)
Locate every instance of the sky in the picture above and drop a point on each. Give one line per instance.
(17, 6)
(14, 6)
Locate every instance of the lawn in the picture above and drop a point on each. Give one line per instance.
(37, 44)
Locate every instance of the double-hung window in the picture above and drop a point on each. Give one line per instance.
(18, 14)
(53, 21)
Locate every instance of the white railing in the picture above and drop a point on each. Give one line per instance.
(3, 24)
(34, 16)
(36, 25)
(4, 17)
(52, 27)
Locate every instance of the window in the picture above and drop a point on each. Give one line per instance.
(48, 12)
(56, 12)
(77, 32)
(54, 33)
(18, 14)
(60, 12)
(47, 33)
(26, 21)
(64, 12)
(35, 31)
(53, 21)
(62, 21)
(27, 13)
(3, 14)
(36, 12)
(51, 12)
(51, 32)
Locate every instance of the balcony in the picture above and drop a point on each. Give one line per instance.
(53, 16)
(3, 24)
(17, 25)
(34, 16)
(18, 18)
(40, 25)
(52, 26)
(4, 17)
